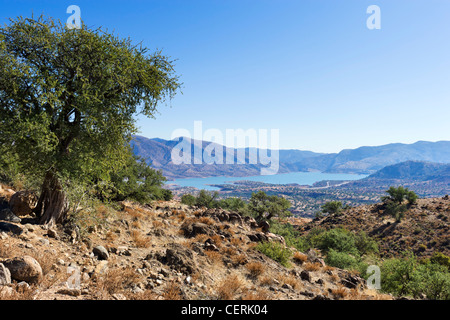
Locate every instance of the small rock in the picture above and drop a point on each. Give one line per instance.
(287, 286)
(43, 241)
(101, 253)
(52, 234)
(119, 296)
(101, 268)
(70, 292)
(6, 291)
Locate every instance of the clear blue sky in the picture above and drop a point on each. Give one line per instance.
(311, 69)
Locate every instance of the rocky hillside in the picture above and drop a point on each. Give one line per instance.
(423, 230)
(163, 251)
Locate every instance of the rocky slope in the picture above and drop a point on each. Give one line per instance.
(163, 251)
(424, 229)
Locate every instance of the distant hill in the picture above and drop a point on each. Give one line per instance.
(414, 170)
(363, 160)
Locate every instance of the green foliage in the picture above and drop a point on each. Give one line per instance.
(135, 181)
(188, 199)
(399, 195)
(338, 239)
(396, 210)
(276, 251)
(346, 261)
(207, 199)
(332, 207)
(264, 207)
(232, 204)
(365, 244)
(68, 97)
(431, 280)
(441, 259)
(291, 236)
(406, 276)
(394, 202)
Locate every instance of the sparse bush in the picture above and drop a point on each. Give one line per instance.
(300, 257)
(228, 287)
(255, 268)
(394, 202)
(332, 207)
(188, 199)
(275, 251)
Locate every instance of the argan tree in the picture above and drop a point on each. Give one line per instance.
(264, 207)
(68, 101)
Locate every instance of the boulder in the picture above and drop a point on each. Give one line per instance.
(264, 225)
(8, 215)
(101, 253)
(179, 258)
(304, 275)
(22, 203)
(24, 268)
(190, 230)
(10, 227)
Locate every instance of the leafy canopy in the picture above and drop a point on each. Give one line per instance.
(68, 97)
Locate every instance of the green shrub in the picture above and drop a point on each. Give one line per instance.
(338, 239)
(188, 199)
(431, 280)
(340, 260)
(275, 251)
(332, 207)
(364, 244)
(345, 261)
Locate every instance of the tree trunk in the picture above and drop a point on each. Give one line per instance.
(53, 205)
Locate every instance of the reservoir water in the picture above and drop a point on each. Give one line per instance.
(301, 178)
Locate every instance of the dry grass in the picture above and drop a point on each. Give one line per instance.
(312, 266)
(115, 281)
(18, 292)
(229, 287)
(8, 248)
(258, 294)
(237, 241)
(340, 292)
(239, 259)
(300, 258)
(172, 291)
(139, 239)
(207, 220)
(266, 281)
(290, 280)
(157, 224)
(144, 295)
(46, 259)
(214, 257)
(256, 269)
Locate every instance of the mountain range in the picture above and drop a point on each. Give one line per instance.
(364, 160)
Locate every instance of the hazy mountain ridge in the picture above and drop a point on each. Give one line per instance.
(363, 160)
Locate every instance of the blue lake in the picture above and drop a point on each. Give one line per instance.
(301, 178)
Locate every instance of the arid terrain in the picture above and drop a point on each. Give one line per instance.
(165, 251)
